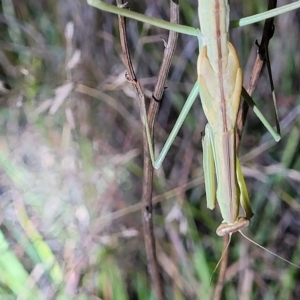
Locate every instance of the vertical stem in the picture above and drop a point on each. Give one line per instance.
(223, 268)
(261, 58)
(147, 211)
(148, 169)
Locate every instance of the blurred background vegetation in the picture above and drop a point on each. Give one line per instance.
(70, 160)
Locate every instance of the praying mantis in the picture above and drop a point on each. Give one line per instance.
(219, 85)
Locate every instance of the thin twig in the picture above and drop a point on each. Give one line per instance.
(152, 112)
(223, 268)
(261, 59)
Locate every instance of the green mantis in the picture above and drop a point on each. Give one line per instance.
(219, 84)
(220, 87)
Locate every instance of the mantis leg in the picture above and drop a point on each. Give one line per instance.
(186, 108)
(265, 15)
(276, 135)
(187, 29)
(209, 168)
(142, 18)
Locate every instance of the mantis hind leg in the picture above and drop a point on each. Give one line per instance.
(186, 108)
(209, 168)
(275, 134)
